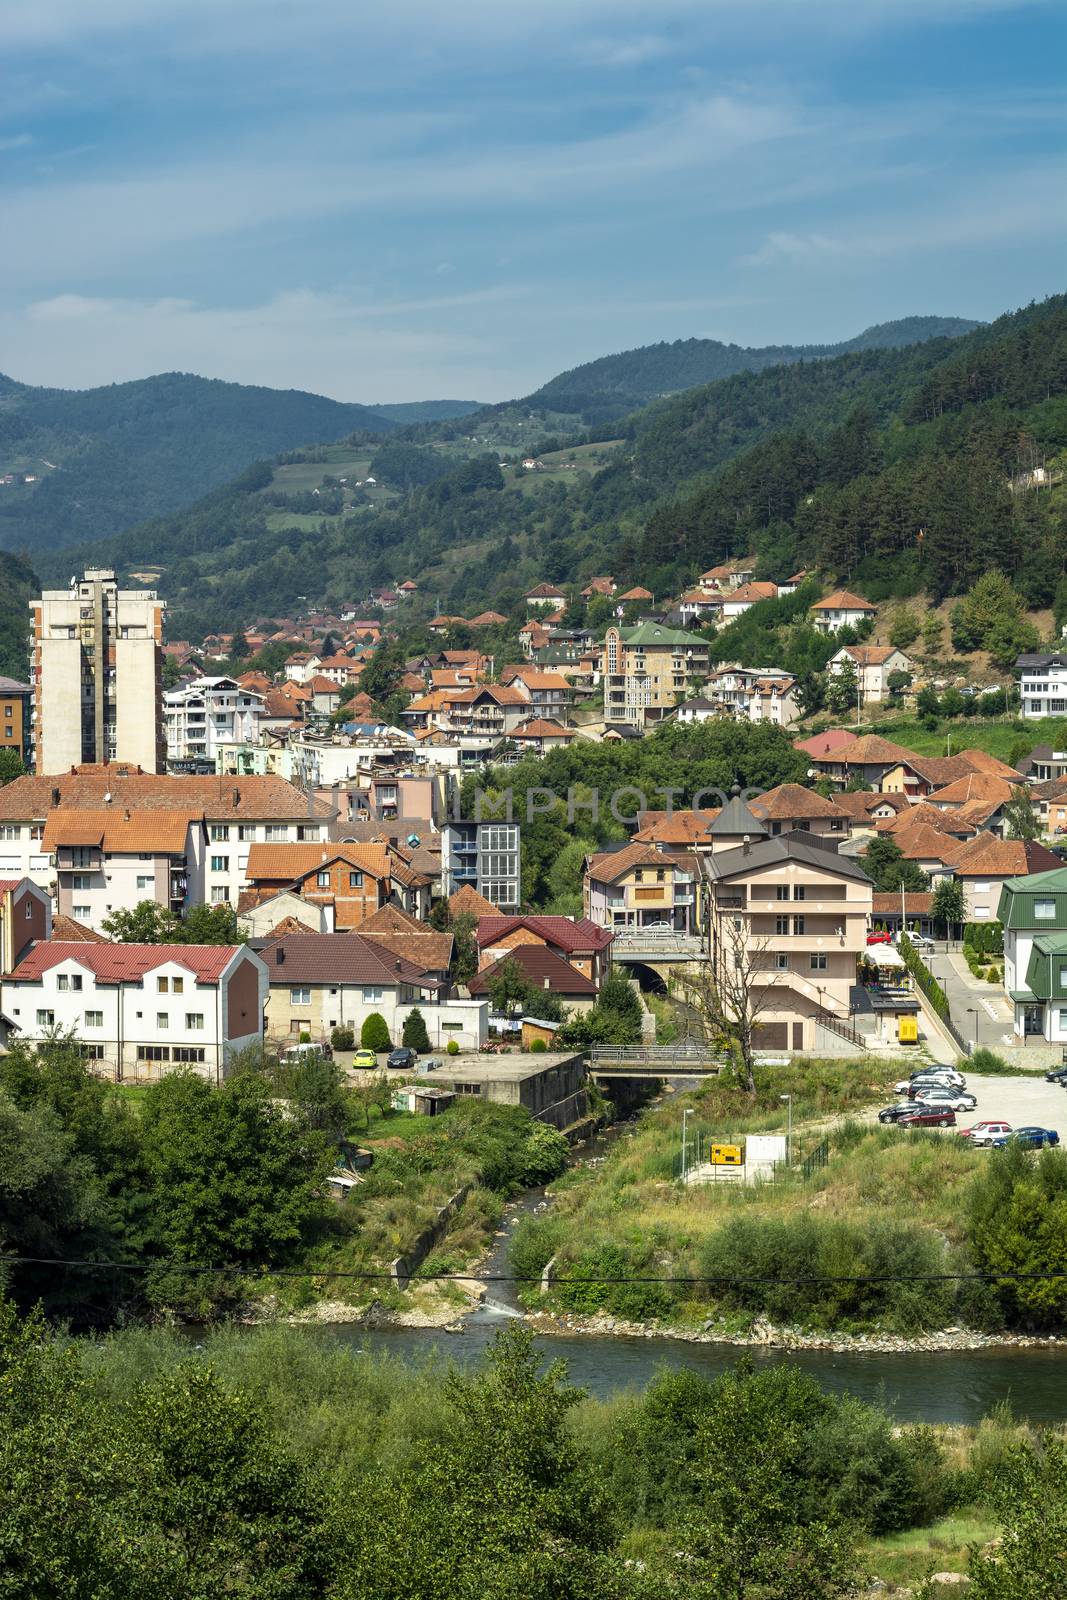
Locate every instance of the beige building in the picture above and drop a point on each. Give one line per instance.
(873, 665)
(796, 914)
(97, 675)
(648, 670)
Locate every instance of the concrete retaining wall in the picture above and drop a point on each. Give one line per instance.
(404, 1267)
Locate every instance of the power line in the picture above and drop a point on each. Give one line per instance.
(504, 1277)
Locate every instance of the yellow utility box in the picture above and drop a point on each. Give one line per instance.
(726, 1155)
(907, 1030)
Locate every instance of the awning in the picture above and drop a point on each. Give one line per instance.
(883, 955)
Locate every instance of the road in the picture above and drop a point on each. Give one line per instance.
(980, 1011)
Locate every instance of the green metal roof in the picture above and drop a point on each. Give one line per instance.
(1017, 897)
(1023, 995)
(1046, 969)
(651, 633)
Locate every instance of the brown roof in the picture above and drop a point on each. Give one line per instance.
(66, 931)
(285, 863)
(929, 816)
(610, 865)
(790, 800)
(843, 600)
(859, 803)
(289, 925)
(920, 843)
(467, 901)
(870, 655)
(753, 592)
(220, 799)
(503, 695)
(542, 728)
(338, 958)
(126, 963)
(487, 619)
(534, 677)
(915, 905)
(544, 591)
(542, 967)
(982, 761)
(320, 685)
(975, 786)
(872, 750)
(680, 827)
(120, 832)
(402, 935)
(636, 593)
(988, 856)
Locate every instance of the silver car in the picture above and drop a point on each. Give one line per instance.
(949, 1099)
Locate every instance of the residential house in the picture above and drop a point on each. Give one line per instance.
(396, 933)
(487, 619)
(842, 609)
(350, 881)
(1050, 803)
(108, 860)
(790, 806)
(25, 917)
(728, 576)
(636, 886)
(141, 1010)
(543, 969)
(1043, 764)
(748, 595)
(16, 721)
(873, 664)
(795, 913)
(791, 585)
(635, 596)
(698, 708)
(604, 587)
(342, 669)
(323, 981)
(484, 856)
(916, 908)
(1042, 683)
(585, 945)
(985, 864)
(1033, 913)
(648, 670)
(546, 596)
(550, 694)
(676, 832)
(203, 715)
(488, 708)
(755, 694)
(700, 607)
(538, 735)
(325, 694)
(301, 665)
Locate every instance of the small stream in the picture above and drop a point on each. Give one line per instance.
(954, 1386)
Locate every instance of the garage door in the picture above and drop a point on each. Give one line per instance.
(771, 1036)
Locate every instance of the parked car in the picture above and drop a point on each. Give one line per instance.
(293, 1054)
(921, 941)
(983, 1133)
(364, 1059)
(956, 1098)
(656, 927)
(878, 938)
(928, 1117)
(403, 1057)
(952, 1080)
(903, 1108)
(1030, 1138)
(1057, 1075)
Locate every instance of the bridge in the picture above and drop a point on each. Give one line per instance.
(636, 947)
(689, 1060)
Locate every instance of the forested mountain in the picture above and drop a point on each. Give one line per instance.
(104, 459)
(894, 470)
(407, 411)
(599, 392)
(18, 586)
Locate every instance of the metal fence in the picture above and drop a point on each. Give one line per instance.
(818, 1158)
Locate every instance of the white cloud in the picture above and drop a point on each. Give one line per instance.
(15, 141)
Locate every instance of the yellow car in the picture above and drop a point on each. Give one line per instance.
(364, 1058)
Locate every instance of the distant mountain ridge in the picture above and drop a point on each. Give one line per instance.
(109, 457)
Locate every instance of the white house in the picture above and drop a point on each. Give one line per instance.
(842, 609)
(141, 1010)
(1042, 685)
(873, 665)
(748, 595)
(207, 713)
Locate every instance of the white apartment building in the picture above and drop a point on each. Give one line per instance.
(204, 716)
(1042, 685)
(97, 675)
(755, 694)
(141, 1010)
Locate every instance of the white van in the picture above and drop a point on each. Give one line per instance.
(295, 1053)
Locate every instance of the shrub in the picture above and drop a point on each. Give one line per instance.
(343, 1037)
(452, 1048)
(984, 1060)
(374, 1034)
(543, 1156)
(305, 1038)
(415, 1035)
(587, 1287)
(537, 1047)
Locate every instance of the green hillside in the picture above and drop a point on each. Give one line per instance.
(408, 411)
(896, 470)
(104, 459)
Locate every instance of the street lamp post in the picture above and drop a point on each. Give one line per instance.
(788, 1098)
(973, 1012)
(687, 1112)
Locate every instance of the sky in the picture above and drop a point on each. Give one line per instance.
(460, 198)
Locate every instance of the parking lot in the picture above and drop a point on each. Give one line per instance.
(1024, 1102)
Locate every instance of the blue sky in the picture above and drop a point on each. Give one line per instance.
(462, 197)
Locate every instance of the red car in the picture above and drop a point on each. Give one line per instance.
(928, 1117)
(879, 938)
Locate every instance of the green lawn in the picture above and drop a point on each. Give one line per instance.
(907, 1558)
(995, 735)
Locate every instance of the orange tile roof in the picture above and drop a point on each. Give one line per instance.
(752, 592)
(542, 728)
(790, 800)
(976, 786)
(843, 600)
(681, 827)
(988, 856)
(121, 832)
(870, 655)
(285, 863)
(637, 593)
(467, 901)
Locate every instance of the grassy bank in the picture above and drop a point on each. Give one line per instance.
(884, 1203)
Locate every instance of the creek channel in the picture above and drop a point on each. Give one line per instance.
(950, 1386)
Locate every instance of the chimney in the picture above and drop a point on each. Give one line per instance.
(126, 815)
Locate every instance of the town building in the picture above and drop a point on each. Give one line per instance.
(111, 860)
(16, 720)
(842, 609)
(985, 864)
(874, 665)
(585, 945)
(1033, 914)
(755, 694)
(484, 856)
(348, 881)
(638, 887)
(141, 1010)
(545, 597)
(202, 716)
(648, 670)
(543, 970)
(97, 675)
(1042, 685)
(790, 806)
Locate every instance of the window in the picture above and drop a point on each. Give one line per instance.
(82, 880)
(177, 985)
(246, 832)
(781, 891)
(468, 1088)
(10, 830)
(69, 981)
(153, 1052)
(28, 913)
(323, 880)
(81, 913)
(189, 1052)
(1044, 910)
(798, 924)
(220, 863)
(162, 985)
(91, 1052)
(799, 891)
(781, 962)
(162, 1020)
(638, 876)
(300, 1025)
(371, 994)
(1063, 977)
(817, 963)
(981, 888)
(660, 874)
(1063, 1019)
(781, 925)
(194, 1019)
(219, 894)
(144, 881)
(46, 1019)
(94, 1019)
(355, 880)
(276, 833)
(300, 996)
(220, 832)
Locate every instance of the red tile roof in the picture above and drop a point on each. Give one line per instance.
(542, 967)
(338, 958)
(843, 600)
(126, 963)
(572, 934)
